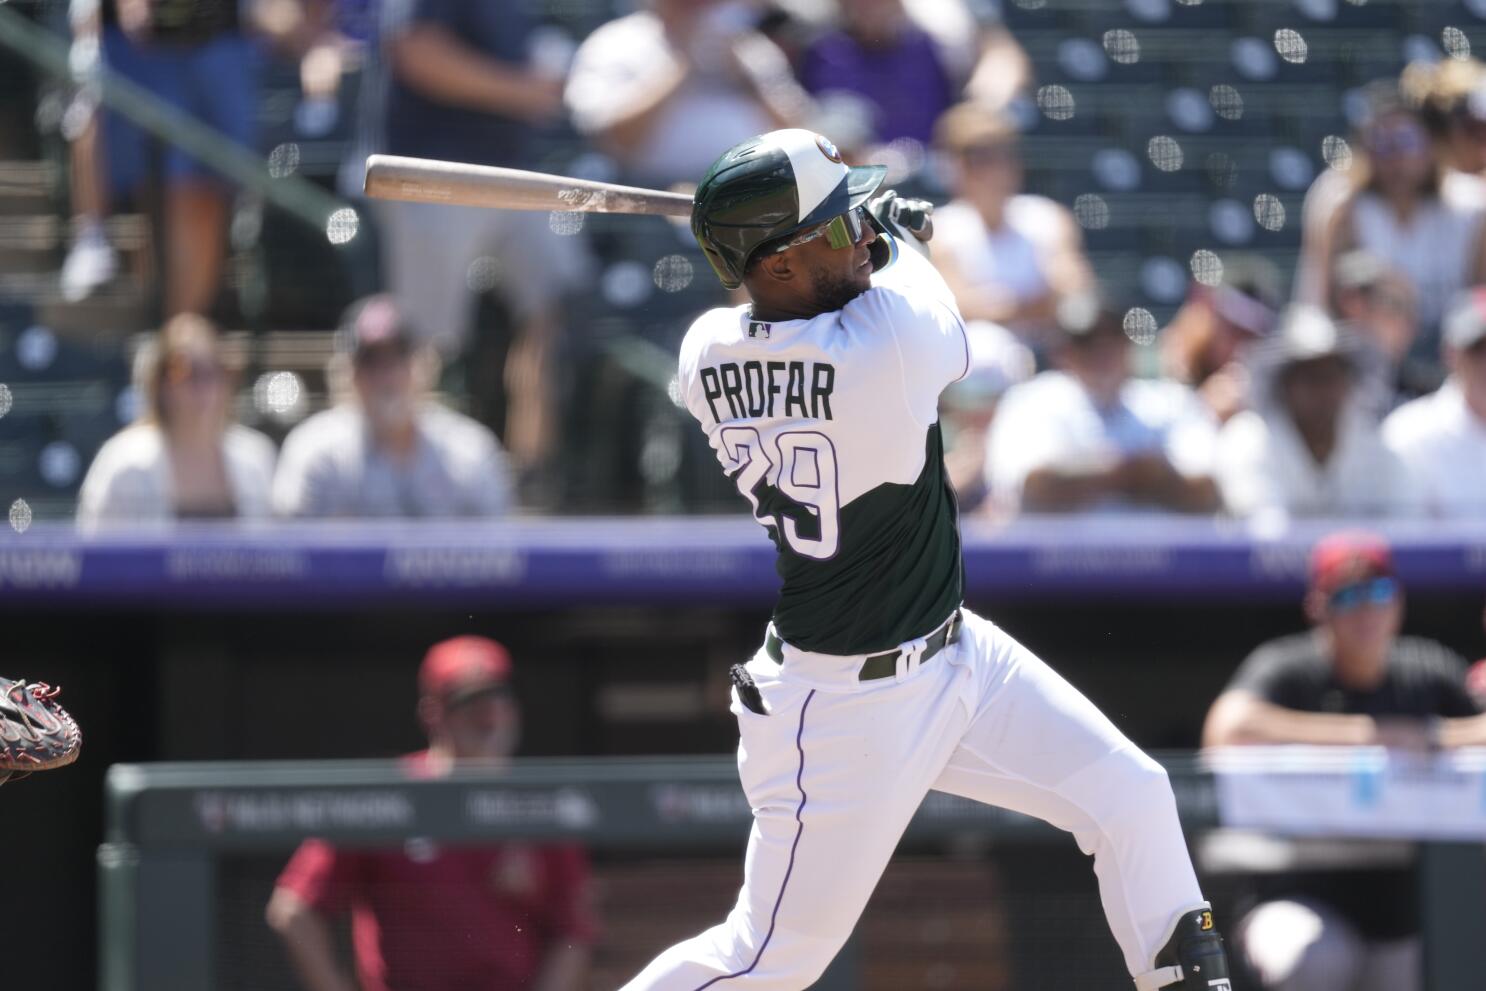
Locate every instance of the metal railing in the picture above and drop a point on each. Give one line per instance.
(169, 825)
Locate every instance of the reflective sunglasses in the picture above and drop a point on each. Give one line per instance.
(1373, 592)
(843, 231)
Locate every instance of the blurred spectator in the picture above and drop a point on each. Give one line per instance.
(1396, 212)
(195, 56)
(391, 451)
(1352, 680)
(910, 60)
(429, 918)
(1452, 104)
(667, 89)
(1376, 303)
(1207, 340)
(976, 48)
(1010, 257)
(998, 361)
(1090, 437)
(1307, 447)
(1441, 438)
(465, 86)
(1475, 676)
(880, 54)
(185, 458)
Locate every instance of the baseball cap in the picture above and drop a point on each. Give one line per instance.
(1345, 558)
(1465, 323)
(371, 324)
(462, 668)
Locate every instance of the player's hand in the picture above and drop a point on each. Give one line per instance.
(542, 99)
(896, 214)
(1405, 733)
(1145, 476)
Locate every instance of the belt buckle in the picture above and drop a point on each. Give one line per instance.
(910, 657)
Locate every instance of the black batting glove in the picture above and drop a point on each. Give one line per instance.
(897, 214)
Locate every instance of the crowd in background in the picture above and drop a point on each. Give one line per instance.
(1360, 393)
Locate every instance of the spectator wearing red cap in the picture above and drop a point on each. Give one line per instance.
(503, 917)
(389, 450)
(1441, 437)
(1351, 680)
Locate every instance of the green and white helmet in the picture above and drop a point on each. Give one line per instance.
(769, 187)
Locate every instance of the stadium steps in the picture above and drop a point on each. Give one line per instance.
(27, 187)
(952, 938)
(37, 242)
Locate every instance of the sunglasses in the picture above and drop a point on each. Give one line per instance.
(840, 232)
(1373, 592)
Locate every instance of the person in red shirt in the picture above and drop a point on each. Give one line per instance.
(497, 917)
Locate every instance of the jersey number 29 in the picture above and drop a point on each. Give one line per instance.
(791, 484)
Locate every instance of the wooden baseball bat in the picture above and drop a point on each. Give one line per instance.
(425, 180)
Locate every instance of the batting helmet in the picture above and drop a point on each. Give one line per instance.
(769, 187)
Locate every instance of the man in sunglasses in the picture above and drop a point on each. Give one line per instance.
(1351, 680)
(874, 684)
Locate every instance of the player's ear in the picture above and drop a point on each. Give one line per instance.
(778, 267)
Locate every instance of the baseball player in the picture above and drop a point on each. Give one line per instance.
(874, 684)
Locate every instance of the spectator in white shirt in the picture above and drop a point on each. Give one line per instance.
(1308, 447)
(998, 361)
(1090, 437)
(1441, 438)
(667, 89)
(391, 451)
(1397, 210)
(1010, 257)
(185, 458)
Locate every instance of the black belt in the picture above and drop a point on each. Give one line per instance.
(885, 665)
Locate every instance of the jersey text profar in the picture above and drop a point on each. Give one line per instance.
(759, 388)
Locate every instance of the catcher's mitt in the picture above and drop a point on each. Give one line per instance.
(36, 734)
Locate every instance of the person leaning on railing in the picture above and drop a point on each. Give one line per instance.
(1351, 680)
(185, 458)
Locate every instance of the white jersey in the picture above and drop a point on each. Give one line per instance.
(829, 426)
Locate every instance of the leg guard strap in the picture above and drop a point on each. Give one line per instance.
(1155, 980)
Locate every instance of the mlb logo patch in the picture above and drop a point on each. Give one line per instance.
(758, 330)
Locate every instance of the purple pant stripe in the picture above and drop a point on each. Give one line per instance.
(799, 832)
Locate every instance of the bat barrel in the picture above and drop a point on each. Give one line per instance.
(423, 180)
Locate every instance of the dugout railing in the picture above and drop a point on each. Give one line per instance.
(171, 825)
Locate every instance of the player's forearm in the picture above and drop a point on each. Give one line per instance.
(1243, 720)
(1048, 490)
(564, 968)
(1469, 731)
(307, 940)
(1191, 495)
(438, 65)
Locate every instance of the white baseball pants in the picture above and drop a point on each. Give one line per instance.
(837, 769)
